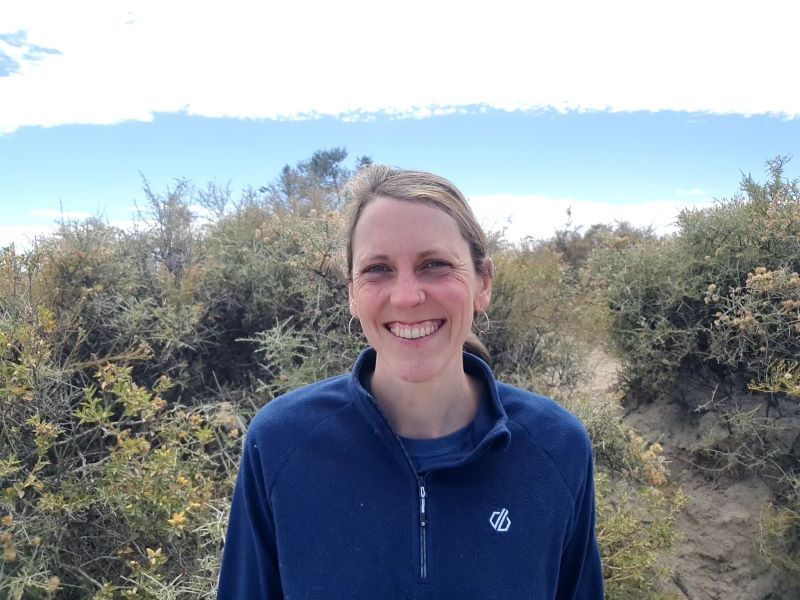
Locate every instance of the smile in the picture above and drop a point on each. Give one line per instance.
(414, 331)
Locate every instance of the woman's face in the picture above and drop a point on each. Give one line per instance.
(414, 288)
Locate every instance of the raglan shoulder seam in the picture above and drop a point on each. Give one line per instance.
(550, 457)
(300, 443)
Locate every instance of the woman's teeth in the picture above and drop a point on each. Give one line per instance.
(412, 333)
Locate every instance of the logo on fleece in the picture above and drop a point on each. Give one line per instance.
(500, 521)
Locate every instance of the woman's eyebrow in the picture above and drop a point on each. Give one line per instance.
(374, 257)
(422, 254)
(432, 252)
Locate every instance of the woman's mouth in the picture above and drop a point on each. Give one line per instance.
(413, 331)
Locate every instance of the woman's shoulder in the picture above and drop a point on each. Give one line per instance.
(532, 407)
(301, 409)
(553, 431)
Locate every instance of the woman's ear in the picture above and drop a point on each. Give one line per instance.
(351, 300)
(484, 295)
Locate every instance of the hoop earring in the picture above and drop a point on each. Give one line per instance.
(488, 324)
(350, 330)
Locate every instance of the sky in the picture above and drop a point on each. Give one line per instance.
(614, 110)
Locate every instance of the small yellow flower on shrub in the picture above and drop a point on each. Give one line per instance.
(7, 520)
(9, 554)
(181, 480)
(655, 476)
(159, 403)
(178, 520)
(156, 557)
(53, 584)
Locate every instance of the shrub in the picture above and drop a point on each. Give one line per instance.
(719, 299)
(95, 479)
(533, 334)
(780, 535)
(636, 502)
(651, 311)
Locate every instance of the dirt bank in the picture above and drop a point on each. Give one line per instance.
(718, 556)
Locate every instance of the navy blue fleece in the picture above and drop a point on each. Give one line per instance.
(328, 506)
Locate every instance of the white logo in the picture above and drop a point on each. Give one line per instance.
(500, 521)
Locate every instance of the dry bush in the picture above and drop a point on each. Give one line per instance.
(535, 331)
(637, 503)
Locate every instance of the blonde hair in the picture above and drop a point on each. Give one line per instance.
(375, 181)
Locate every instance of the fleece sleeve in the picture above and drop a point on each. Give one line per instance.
(249, 558)
(581, 574)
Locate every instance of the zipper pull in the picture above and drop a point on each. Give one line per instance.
(422, 495)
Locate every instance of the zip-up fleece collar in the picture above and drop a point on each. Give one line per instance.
(497, 437)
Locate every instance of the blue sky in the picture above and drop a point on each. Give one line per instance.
(616, 110)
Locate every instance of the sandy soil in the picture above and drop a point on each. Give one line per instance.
(718, 555)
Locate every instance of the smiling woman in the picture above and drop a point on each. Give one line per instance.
(417, 475)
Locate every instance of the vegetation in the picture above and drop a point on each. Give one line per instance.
(710, 319)
(132, 361)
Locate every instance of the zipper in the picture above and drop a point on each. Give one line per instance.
(423, 494)
(423, 524)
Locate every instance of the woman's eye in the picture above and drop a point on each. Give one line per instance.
(436, 264)
(376, 269)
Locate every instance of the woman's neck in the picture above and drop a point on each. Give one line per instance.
(429, 409)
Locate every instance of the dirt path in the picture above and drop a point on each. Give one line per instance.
(718, 555)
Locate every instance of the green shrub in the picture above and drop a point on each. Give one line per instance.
(95, 478)
(652, 311)
(534, 329)
(719, 299)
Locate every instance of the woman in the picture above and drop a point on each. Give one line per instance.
(417, 475)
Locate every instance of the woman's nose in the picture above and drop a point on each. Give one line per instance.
(406, 291)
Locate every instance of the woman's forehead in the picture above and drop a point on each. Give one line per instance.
(390, 228)
(408, 213)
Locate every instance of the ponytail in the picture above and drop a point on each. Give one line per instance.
(474, 346)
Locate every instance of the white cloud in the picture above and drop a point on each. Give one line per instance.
(23, 236)
(130, 59)
(539, 217)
